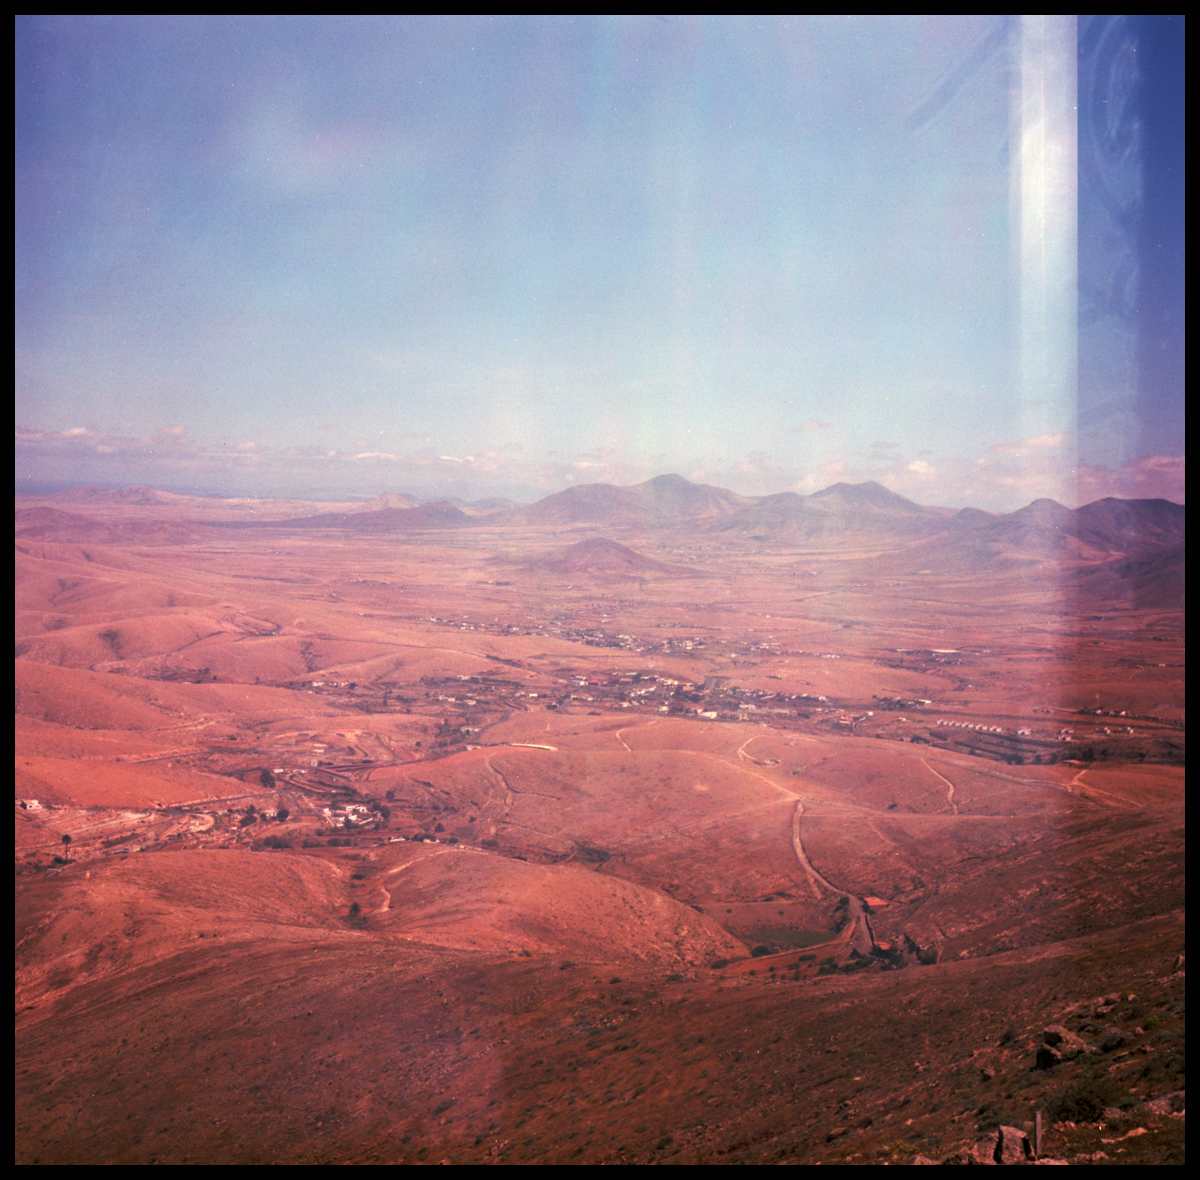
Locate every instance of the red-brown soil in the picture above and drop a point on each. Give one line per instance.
(583, 860)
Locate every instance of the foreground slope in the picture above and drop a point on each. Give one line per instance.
(274, 1050)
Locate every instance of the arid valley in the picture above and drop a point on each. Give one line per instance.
(641, 824)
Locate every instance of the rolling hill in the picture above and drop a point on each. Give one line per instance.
(601, 558)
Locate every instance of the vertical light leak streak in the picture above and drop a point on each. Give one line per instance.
(1045, 207)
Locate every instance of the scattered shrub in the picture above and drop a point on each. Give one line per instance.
(1085, 1100)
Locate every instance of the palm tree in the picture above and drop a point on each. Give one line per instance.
(66, 840)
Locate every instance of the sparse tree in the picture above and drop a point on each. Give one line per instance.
(66, 841)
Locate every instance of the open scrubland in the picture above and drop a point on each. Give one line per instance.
(649, 824)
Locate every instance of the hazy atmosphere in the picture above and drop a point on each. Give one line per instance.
(500, 256)
(599, 591)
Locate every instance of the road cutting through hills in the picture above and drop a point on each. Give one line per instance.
(400, 868)
(858, 932)
(749, 758)
(814, 878)
(508, 794)
(949, 786)
(625, 729)
(1092, 791)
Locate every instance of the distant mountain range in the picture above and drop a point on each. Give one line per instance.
(439, 514)
(666, 499)
(863, 516)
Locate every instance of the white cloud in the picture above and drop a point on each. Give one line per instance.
(1154, 477)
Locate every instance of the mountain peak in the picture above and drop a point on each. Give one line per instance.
(871, 495)
(599, 557)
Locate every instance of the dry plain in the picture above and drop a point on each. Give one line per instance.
(641, 825)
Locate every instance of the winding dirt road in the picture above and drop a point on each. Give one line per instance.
(949, 785)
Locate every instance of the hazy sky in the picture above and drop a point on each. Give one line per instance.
(498, 256)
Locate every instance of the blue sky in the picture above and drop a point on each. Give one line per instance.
(484, 256)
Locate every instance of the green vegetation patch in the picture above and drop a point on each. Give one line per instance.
(786, 940)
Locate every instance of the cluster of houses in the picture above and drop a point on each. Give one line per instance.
(1065, 733)
(356, 813)
(976, 728)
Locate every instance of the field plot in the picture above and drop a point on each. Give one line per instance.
(563, 837)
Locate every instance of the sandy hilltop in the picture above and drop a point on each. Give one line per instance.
(650, 824)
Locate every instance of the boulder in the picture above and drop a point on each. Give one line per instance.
(984, 1152)
(1069, 1046)
(1047, 1057)
(1113, 1038)
(1054, 1034)
(1172, 1103)
(1014, 1147)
